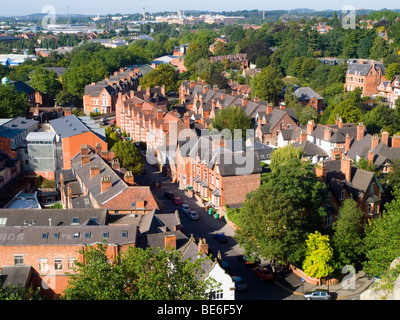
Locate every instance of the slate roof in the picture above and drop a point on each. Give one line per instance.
(68, 126)
(16, 126)
(362, 69)
(119, 196)
(97, 88)
(59, 217)
(306, 93)
(360, 179)
(338, 135)
(67, 235)
(311, 149)
(15, 275)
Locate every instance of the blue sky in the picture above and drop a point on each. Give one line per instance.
(23, 7)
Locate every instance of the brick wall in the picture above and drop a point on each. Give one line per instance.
(235, 188)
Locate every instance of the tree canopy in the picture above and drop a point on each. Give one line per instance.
(138, 274)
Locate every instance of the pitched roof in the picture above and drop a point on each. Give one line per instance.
(306, 93)
(68, 126)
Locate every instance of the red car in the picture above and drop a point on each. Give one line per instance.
(177, 201)
(263, 273)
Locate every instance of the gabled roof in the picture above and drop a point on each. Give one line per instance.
(306, 93)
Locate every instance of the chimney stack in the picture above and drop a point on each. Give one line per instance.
(269, 109)
(84, 150)
(129, 178)
(327, 133)
(360, 131)
(385, 137)
(115, 164)
(202, 246)
(320, 170)
(85, 159)
(106, 183)
(374, 141)
(347, 143)
(170, 242)
(303, 136)
(94, 171)
(345, 167)
(98, 148)
(310, 126)
(395, 141)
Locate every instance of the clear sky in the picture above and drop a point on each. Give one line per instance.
(24, 7)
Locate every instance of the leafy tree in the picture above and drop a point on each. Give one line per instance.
(12, 103)
(137, 274)
(306, 114)
(267, 85)
(318, 262)
(45, 81)
(364, 47)
(347, 238)
(128, 155)
(347, 111)
(295, 177)
(163, 75)
(382, 240)
(379, 49)
(392, 70)
(257, 49)
(231, 118)
(19, 292)
(382, 117)
(271, 226)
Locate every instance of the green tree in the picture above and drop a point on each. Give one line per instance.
(295, 177)
(267, 85)
(392, 70)
(382, 239)
(348, 111)
(363, 48)
(271, 226)
(163, 75)
(12, 103)
(128, 156)
(348, 239)
(45, 82)
(231, 118)
(137, 274)
(19, 292)
(379, 49)
(318, 262)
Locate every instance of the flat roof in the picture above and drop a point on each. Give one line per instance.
(41, 136)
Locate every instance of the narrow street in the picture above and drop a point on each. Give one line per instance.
(205, 228)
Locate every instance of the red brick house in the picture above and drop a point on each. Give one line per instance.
(345, 180)
(271, 121)
(367, 75)
(218, 175)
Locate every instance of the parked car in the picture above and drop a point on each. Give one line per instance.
(319, 294)
(193, 215)
(113, 121)
(177, 200)
(104, 121)
(168, 195)
(249, 260)
(220, 237)
(263, 273)
(184, 208)
(240, 284)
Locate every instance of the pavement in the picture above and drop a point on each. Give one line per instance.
(350, 286)
(346, 289)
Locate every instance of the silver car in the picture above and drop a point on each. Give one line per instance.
(317, 295)
(193, 215)
(184, 208)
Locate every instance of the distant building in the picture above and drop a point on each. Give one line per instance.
(15, 59)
